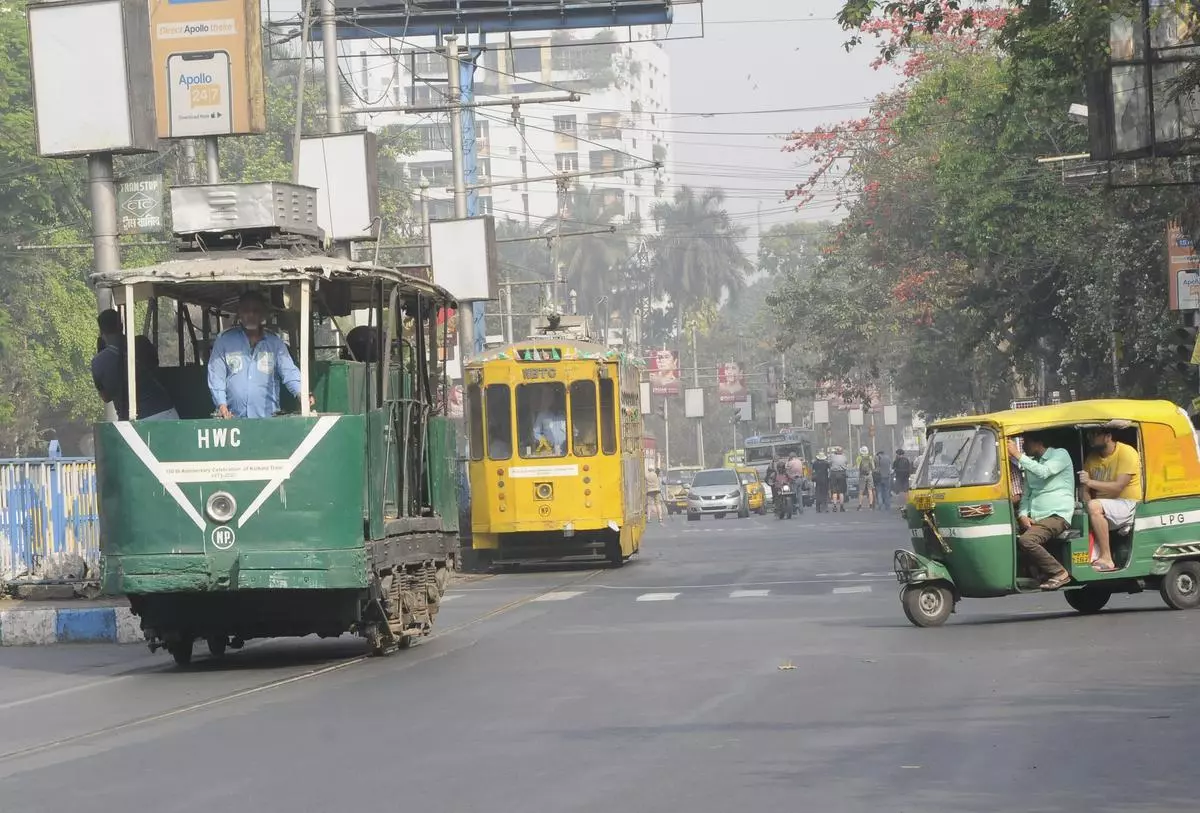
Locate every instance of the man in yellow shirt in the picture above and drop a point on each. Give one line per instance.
(1112, 486)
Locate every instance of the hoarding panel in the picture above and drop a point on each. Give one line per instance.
(208, 68)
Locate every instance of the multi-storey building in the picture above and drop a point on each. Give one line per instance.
(619, 122)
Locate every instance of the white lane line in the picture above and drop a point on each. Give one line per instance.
(750, 594)
(658, 597)
(862, 588)
(451, 597)
(832, 575)
(561, 595)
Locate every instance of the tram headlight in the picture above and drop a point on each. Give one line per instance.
(543, 491)
(221, 506)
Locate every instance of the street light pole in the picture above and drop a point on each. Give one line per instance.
(102, 192)
(696, 385)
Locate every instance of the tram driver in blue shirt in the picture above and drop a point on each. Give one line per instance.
(248, 363)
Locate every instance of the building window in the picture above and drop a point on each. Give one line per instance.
(566, 125)
(605, 160)
(435, 136)
(614, 201)
(423, 94)
(485, 204)
(567, 58)
(428, 63)
(604, 125)
(436, 172)
(527, 60)
(567, 161)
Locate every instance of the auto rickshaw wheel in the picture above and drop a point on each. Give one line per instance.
(1180, 588)
(927, 605)
(1088, 600)
(216, 645)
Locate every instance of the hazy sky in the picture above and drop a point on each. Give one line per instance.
(793, 59)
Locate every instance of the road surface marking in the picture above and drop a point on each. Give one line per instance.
(862, 588)
(451, 597)
(750, 594)
(658, 597)
(559, 596)
(832, 575)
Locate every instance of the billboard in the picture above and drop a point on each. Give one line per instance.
(731, 383)
(664, 372)
(208, 68)
(367, 19)
(1183, 271)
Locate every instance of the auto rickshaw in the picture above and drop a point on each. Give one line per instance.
(962, 515)
(756, 493)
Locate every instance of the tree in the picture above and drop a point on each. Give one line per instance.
(964, 274)
(592, 263)
(696, 250)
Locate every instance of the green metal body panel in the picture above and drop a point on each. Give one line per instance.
(982, 560)
(443, 471)
(306, 530)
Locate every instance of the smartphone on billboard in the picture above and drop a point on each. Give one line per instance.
(199, 103)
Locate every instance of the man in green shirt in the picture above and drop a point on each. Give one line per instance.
(1047, 504)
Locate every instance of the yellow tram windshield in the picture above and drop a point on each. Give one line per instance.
(568, 410)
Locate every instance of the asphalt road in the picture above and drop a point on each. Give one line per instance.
(736, 665)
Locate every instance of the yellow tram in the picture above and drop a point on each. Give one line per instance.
(556, 453)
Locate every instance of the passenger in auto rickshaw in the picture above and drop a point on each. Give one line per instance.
(1111, 487)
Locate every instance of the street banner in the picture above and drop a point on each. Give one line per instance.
(664, 372)
(731, 383)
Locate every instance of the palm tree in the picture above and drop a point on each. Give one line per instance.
(696, 250)
(592, 263)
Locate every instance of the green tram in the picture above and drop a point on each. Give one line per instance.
(325, 519)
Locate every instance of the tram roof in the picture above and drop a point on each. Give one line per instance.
(583, 350)
(1098, 411)
(218, 276)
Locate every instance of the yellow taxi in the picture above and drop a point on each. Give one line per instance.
(756, 492)
(675, 487)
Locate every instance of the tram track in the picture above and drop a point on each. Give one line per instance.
(279, 683)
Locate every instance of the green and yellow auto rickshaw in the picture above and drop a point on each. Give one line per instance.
(962, 516)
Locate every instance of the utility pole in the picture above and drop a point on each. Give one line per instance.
(519, 122)
(102, 188)
(667, 433)
(696, 385)
(333, 90)
(212, 159)
(466, 315)
(561, 187)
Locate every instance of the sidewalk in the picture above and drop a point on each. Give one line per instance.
(33, 623)
(102, 620)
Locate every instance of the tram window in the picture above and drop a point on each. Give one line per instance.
(542, 419)
(608, 416)
(476, 434)
(499, 422)
(583, 418)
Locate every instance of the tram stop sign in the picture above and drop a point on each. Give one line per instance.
(140, 204)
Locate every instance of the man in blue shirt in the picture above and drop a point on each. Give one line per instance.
(247, 364)
(1047, 504)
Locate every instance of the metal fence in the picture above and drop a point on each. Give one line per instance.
(49, 520)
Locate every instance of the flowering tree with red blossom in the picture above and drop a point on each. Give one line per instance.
(964, 273)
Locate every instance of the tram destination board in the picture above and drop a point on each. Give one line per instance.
(366, 19)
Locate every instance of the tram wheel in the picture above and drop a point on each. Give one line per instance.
(181, 651)
(217, 645)
(1088, 600)
(1180, 588)
(927, 605)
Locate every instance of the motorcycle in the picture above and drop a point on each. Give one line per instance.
(783, 496)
